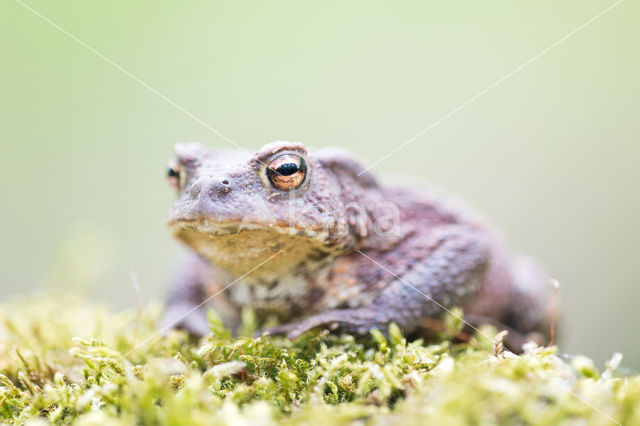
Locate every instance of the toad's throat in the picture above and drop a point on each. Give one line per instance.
(255, 253)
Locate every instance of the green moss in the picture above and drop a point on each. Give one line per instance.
(67, 361)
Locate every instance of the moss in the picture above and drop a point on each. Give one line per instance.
(67, 361)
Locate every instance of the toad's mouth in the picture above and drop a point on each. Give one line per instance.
(220, 229)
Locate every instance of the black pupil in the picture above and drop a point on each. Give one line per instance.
(287, 169)
(173, 173)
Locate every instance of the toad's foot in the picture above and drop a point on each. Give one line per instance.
(353, 321)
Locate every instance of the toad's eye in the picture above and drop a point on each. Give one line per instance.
(287, 172)
(176, 175)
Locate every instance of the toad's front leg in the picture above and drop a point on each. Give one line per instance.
(455, 262)
(195, 288)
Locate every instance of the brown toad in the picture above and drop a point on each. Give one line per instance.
(305, 236)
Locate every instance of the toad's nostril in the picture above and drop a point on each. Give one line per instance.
(219, 188)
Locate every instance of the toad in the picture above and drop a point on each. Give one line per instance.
(309, 238)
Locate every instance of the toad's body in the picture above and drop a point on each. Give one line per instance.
(306, 236)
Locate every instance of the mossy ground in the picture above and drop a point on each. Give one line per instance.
(64, 361)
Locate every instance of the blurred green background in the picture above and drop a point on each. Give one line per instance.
(551, 154)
